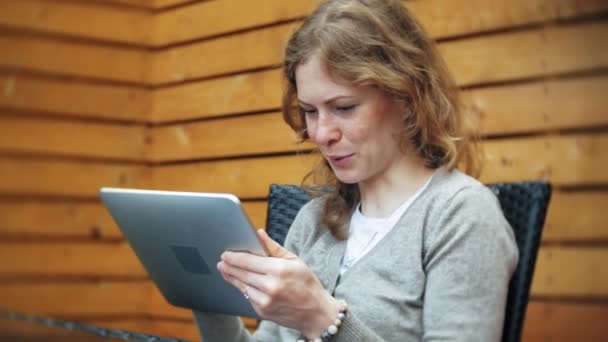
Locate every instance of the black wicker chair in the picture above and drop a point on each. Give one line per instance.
(524, 206)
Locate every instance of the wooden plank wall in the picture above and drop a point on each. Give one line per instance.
(184, 95)
(73, 107)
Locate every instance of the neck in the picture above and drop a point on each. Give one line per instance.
(382, 195)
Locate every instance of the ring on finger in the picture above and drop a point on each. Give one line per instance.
(245, 293)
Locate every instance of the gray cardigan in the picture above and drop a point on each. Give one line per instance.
(441, 274)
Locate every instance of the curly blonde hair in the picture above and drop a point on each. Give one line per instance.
(379, 43)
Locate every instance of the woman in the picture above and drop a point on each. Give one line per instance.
(418, 250)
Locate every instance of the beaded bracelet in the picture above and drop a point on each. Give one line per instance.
(332, 329)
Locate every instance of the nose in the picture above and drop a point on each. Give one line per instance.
(324, 131)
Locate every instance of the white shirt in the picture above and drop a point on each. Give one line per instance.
(365, 232)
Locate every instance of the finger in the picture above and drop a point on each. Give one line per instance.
(257, 280)
(234, 281)
(273, 248)
(229, 278)
(256, 297)
(253, 263)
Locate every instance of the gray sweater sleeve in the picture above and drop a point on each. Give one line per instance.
(470, 256)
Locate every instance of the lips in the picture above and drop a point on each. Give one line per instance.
(340, 157)
(340, 160)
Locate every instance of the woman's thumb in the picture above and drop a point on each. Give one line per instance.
(273, 248)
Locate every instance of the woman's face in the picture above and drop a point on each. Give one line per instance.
(356, 128)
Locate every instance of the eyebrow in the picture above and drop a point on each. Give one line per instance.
(330, 100)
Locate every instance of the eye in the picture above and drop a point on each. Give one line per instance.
(346, 108)
(306, 111)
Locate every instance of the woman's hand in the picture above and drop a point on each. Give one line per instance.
(281, 288)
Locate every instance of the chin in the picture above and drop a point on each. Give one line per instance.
(347, 178)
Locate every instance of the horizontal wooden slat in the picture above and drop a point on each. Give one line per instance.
(563, 160)
(134, 26)
(533, 53)
(445, 18)
(215, 17)
(77, 19)
(137, 3)
(237, 52)
(162, 318)
(247, 178)
(57, 219)
(571, 272)
(78, 299)
(74, 259)
(565, 322)
(494, 58)
(104, 298)
(146, 4)
(441, 18)
(74, 59)
(540, 106)
(489, 58)
(72, 138)
(160, 4)
(151, 4)
(67, 178)
(60, 219)
(90, 301)
(242, 93)
(262, 133)
(577, 216)
(73, 98)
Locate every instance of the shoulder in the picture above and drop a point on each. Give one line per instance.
(457, 203)
(459, 192)
(460, 208)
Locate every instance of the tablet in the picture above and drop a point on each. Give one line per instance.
(179, 238)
